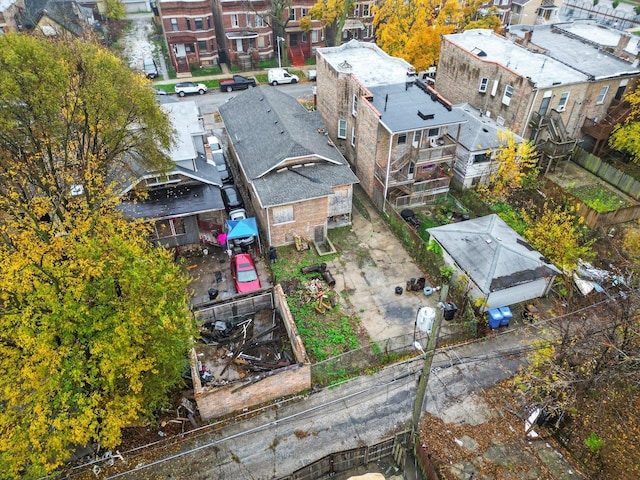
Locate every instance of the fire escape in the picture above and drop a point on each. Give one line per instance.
(557, 145)
(601, 130)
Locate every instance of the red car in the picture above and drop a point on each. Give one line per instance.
(244, 273)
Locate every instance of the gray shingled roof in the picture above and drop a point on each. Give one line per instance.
(480, 133)
(267, 128)
(492, 254)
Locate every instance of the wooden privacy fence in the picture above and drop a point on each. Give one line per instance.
(391, 448)
(623, 182)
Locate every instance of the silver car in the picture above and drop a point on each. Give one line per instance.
(185, 88)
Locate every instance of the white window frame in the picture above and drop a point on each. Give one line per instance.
(282, 214)
(342, 129)
(366, 10)
(234, 20)
(354, 105)
(292, 14)
(353, 136)
(174, 24)
(564, 100)
(314, 36)
(508, 93)
(484, 83)
(172, 224)
(356, 10)
(494, 89)
(259, 21)
(304, 12)
(249, 23)
(602, 95)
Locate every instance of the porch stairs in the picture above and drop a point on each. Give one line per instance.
(558, 146)
(296, 56)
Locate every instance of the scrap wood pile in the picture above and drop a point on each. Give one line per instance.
(317, 293)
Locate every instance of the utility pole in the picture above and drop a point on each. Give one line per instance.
(426, 367)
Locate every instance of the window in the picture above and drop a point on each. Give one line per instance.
(234, 20)
(484, 83)
(354, 105)
(481, 157)
(282, 214)
(356, 11)
(562, 104)
(544, 104)
(202, 45)
(434, 132)
(249, 24)
(305, 38)
(174, 24)
(188, 47)
(304, 12)
(402, 139)
(342, 128)
(621, 89)
(365, 10)
(416, 138)
(353, 136)
(314, 36)
(602, 95)
(292, 14)
(209, 22)
(259, 21)
(508, 93)
(494, 89)
(199, 23)
(188, 24)
(169, 228)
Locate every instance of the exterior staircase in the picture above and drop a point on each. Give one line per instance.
(601, 130)
(296, 56)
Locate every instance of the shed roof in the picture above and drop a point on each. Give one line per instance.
(282, 147)
(492, 254)
(480, 133)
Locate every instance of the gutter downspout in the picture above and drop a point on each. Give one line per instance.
(528, 119)
(386, 179)
(269, 225)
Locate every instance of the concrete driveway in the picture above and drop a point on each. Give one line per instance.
(366, 276)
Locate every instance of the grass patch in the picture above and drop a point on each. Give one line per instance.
(204, 71)
(598, 198)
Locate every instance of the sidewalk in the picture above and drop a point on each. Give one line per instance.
(226, 73)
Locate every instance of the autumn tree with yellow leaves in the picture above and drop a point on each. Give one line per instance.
(626, 136)
(332, 15)
(95, 328)
(411, 29)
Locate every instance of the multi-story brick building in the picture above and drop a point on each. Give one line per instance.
(11, 12)
(190, 32)
(543, 93)
(398, 135)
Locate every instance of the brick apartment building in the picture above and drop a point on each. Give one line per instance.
(398, 135)
(544, 89)
(206, 32)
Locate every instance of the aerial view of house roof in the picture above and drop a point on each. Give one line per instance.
(580, 46)
(365, 60)
(282, 147)
(491, 253)
(407, 107)
(542, 70)
(480, 132)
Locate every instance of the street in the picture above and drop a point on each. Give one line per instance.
(361, 411)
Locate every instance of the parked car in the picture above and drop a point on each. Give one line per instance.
(244, 273)
(220, 161)
(214, 144)
(311, 75)
(231, 197)
(238, 214)
(238, 82)
(185, 88)
(276, 76)
(150, 68)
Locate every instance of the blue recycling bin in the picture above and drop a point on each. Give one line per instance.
(506, 316)
(495, 317)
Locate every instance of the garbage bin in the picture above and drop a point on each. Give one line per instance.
(506, 316)
(213, 293)
(450, 310)
(495, 317)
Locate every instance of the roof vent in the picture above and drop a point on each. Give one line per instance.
(345, 65)
(485, 130)
(479, 52)
(426, 116)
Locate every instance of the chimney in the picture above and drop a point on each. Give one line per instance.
(622, 44)
(527, 37)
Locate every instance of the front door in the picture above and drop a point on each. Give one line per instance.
(293, 39)
(544, 106)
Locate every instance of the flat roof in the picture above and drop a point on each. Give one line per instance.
(406, 107)
(579, 46)
(367, 62)
(184, 118)
(543, 71)
(480, 133)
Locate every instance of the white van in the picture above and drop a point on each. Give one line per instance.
(277, 76)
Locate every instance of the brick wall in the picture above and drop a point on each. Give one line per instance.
(307, 216)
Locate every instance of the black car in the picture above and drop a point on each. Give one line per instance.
(223, 168)
(238, 82)
(231, 197)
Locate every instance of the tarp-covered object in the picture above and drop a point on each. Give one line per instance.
(246, 227)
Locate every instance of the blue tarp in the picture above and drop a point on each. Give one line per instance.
(241, 228)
